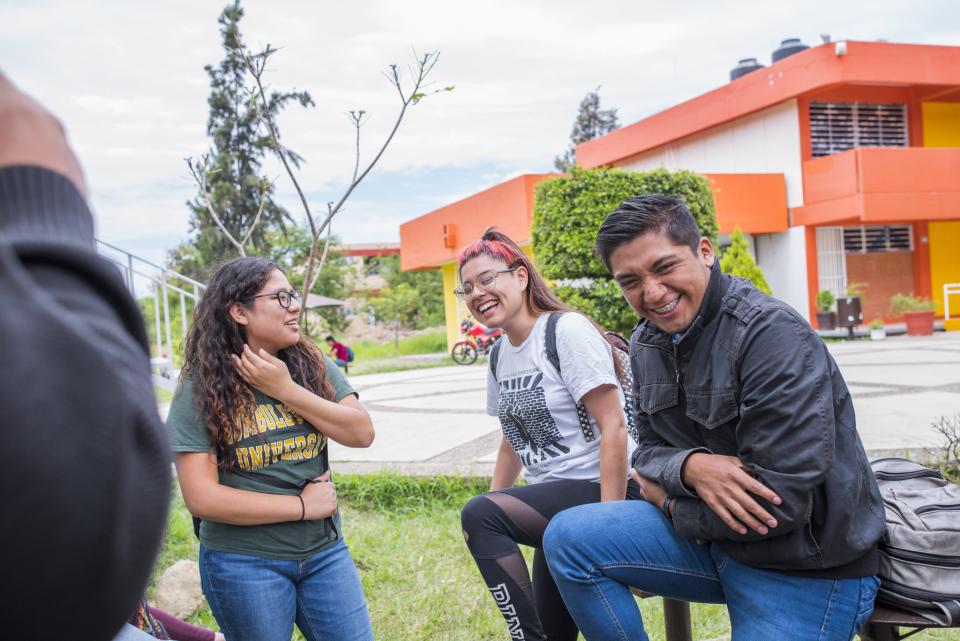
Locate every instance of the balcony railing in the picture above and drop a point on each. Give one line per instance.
(881, 184)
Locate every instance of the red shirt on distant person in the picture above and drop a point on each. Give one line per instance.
(339, 350)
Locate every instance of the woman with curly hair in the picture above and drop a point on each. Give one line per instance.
(250, 422)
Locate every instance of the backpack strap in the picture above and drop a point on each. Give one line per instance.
(551, 339)
(617, 341)
(495, 358)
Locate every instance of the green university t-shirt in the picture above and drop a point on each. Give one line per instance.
(276, 442)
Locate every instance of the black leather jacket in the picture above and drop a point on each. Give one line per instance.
(750, 378)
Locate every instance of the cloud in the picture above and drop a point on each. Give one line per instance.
(128, 81)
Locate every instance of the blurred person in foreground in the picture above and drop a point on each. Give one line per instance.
(87, 472)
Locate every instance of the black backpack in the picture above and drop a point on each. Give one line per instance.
(620, 351)
(920, 549)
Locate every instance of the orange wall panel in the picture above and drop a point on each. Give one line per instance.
(756, 203)
(874, 184)
(912, 169)
(921, 259)
(830, 177)
(508, 206)
(813, 272)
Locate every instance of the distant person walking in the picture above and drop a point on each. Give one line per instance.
(342, 355)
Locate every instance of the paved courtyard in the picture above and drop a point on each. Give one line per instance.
(432, 421)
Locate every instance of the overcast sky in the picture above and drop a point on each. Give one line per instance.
(127, 79)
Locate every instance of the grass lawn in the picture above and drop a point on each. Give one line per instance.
(427, 343)
(419, 579)
(375, 358)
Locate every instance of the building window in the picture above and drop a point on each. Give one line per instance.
(876, 239)
(839, 126)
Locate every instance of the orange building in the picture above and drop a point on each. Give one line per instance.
(866, 137)
(841, 162)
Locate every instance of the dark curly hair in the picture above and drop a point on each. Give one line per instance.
(220, 395)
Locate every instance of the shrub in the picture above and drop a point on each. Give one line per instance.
(825, 300)
(903, 303)
(568, 212)
(737, 261)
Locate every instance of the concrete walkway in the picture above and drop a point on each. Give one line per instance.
(432, 421)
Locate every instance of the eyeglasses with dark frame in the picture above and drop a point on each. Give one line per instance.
(485, 282)
(284, 297)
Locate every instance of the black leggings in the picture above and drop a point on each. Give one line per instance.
(494, 523)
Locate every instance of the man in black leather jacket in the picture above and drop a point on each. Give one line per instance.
(759, 493)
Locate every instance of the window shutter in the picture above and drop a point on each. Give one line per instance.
(876, 239)
(839, 126)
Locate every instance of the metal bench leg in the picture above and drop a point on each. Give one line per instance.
(676, 620)
(879, 632)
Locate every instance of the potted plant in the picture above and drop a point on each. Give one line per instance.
(916, 311)
(826, 318)
(878, 330)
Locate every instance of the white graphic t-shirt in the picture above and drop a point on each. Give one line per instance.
(538, 409)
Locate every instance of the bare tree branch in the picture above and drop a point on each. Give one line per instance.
(357, 118)
(199, 172)
(264, 185)
(255, 66)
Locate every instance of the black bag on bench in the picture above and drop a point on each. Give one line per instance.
(920, 550)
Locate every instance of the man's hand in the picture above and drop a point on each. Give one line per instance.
(652, 491)
(264, 372)
(29, 135)
(726, 486)
(319, 498)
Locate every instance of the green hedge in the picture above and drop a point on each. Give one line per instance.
(567, 213)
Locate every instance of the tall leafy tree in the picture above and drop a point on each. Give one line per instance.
(591, 122)
(737, 261)
(230, 182)
(427, 283)
(397, 306)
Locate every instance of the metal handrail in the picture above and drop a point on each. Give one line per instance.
(949, 289)
(160, 280)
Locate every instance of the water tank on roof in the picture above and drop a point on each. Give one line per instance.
(744, 67)
(788, 47)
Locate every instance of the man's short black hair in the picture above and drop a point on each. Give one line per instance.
(331, 338)
(647, 213)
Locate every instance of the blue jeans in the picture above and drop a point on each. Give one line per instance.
(595, 552)
(258, 599)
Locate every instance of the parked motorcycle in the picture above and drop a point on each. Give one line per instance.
(477, 340)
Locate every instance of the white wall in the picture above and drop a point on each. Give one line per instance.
(783, 259)
(765, 142)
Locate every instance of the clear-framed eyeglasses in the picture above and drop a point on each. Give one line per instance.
(486, 281)
(284, 297)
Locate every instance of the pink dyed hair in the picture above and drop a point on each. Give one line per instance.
(498, 246)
